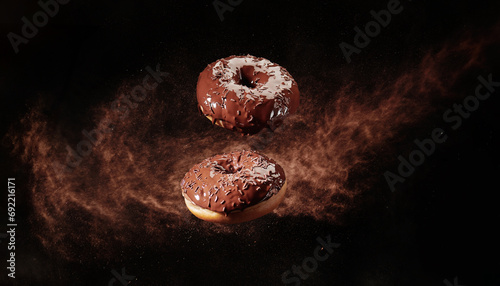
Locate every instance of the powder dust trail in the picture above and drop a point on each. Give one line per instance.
(128, 186)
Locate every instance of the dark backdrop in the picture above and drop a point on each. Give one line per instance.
(440, 224)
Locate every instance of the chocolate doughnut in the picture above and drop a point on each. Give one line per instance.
(234, 187)
(246, 93)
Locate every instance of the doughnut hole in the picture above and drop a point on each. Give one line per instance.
(246, 77)
(249, 78)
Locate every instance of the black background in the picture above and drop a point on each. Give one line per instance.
(441, 224)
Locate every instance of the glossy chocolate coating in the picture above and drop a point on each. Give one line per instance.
(233, 181)
(246, 93)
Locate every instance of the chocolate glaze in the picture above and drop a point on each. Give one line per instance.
(233, 181)
(246, 93)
